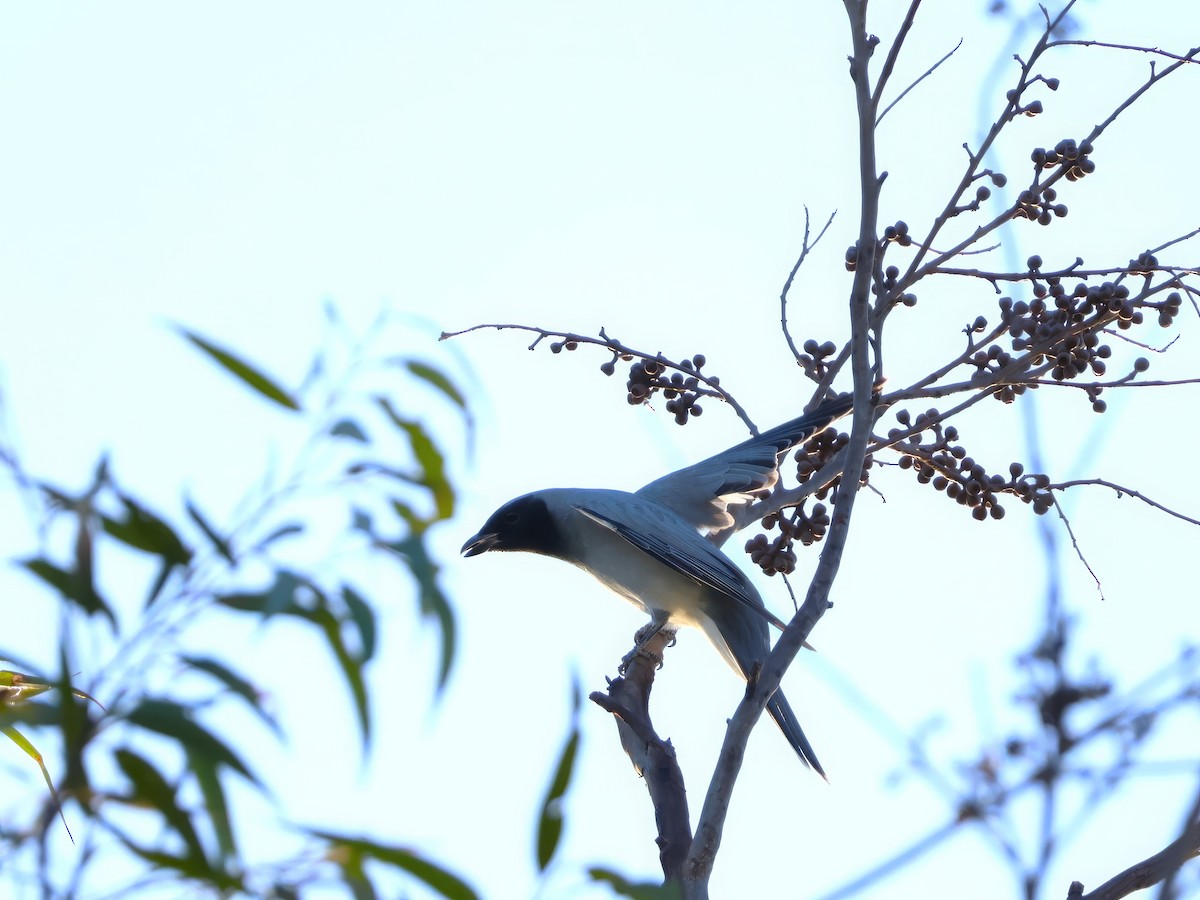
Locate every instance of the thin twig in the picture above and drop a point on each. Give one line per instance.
(805, 247)
(925, 75)
(1078, 550)
(1120, 491)
(1189, 57)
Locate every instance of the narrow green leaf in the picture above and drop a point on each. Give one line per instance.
(143, 530)
(360, 520)
(187, 866)
(364, 620)
(348, 428)
(550, 823)
(432, 875)
(281, 598)
(437, 379)
(433, 602)
(645, 890)
(172, 720)
(249, 375)
(415, 522)
(288, 530)
(152, 788)
(209, 782)
(351, 667)
(70, 586)
(244, 602)
(76, 727)
(221, 544)
(32, 752)
(236, 684)
(428, 456)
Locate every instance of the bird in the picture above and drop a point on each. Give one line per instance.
(650, 547)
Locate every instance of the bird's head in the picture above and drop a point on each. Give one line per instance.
(522, 524)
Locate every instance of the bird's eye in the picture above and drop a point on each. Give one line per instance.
(512, 518)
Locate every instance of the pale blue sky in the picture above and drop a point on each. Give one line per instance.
(636, 166)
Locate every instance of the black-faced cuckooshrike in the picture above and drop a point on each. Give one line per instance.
(649, 548)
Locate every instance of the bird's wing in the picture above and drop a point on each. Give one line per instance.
(701, 494)
(687, 553)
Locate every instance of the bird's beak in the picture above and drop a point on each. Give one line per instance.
(480, 543)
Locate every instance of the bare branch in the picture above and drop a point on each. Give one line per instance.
(712, 384)
(1149, 871)
(628, 700)
(893, 54)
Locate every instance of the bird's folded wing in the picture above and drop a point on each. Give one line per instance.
(701, 493)
(699, 561)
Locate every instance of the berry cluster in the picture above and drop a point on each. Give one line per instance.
(646, 376)
(898, 234)
(1060, 330)
(1038, 205)
(778, 554)
(812, 455)
(808, 527)
(890, 286)
(815, 358)
(892, 234)
(1074, 158)
(944, 463)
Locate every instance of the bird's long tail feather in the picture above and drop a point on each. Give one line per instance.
(782, 713)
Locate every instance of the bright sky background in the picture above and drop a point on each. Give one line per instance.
(641, 167)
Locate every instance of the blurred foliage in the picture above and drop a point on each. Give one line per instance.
(150, 773)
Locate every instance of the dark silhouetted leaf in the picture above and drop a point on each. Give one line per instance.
(348, 428)
(187, 866)
(143, 530)
(289, 530)
(249, 375)
(151, 788)
(281, 598)
(71, 586)
(209, 781)
(172, 720)
(220, 543)
(364, 619)
(433, 601)
(236, 684)
(360, 520)
(244, 602)
(551, 821)
(355, 850)
(623, 887)
(351, 666)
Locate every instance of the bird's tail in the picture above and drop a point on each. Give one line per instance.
(782, 713)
